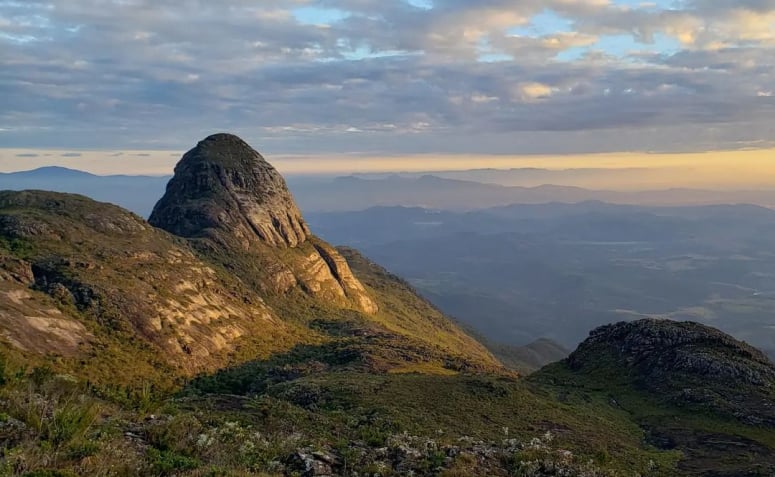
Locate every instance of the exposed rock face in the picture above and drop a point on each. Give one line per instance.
(659, 346)
(689, 363)
(88, 262)
(225, 185)
(231, 202)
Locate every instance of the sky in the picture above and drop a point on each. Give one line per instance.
(386, 79)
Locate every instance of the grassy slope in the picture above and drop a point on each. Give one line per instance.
(498, 425)
(123, 268)
(712, 444)
(95, 247)
(404, 312)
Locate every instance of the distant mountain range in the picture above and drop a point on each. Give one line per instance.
(430, 191)
(590, 178)
(138, 193)
(135, 193)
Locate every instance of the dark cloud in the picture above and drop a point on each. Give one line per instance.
(387, 76)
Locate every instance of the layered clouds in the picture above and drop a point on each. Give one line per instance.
(390, 76)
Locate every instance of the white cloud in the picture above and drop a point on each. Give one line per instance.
(532, 91)
(148, 74)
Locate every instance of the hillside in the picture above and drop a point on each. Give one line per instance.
(316, 411)
(226, 339)
(93, 288)
(530, 357)
(86, 279)
(690, 386)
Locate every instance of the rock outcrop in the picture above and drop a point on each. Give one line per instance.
(224, 185)
(76, 275)
(231, 202)
(686, 363)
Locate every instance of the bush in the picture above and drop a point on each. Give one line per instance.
(71, 421)
(166, 463)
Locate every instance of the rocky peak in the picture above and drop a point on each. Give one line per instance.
(224, 186)
(238, 211)
(656, 345)
(686, 363)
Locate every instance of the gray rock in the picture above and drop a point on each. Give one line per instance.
(224, 184)
(686, 363)
(311, 463)
(237, 209)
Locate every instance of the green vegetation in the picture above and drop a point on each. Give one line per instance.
(690, 387)
(432, 425)
(709, 442)
(127, 351)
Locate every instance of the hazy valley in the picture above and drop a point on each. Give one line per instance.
(523, 272)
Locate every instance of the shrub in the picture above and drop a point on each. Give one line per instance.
(166, 463)
(72, 420)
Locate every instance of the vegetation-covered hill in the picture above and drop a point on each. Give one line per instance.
(92, 289)
(247, 346)
(318, 411)
(689, 386)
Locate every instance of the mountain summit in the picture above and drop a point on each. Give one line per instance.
(237, 208)
(224, 185)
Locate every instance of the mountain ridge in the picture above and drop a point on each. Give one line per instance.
(139, 193)
(83, 275)
(657, 352)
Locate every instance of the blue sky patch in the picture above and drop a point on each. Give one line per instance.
(319, 15)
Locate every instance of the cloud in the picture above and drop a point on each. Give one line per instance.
(303, 75)
(533, 91)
